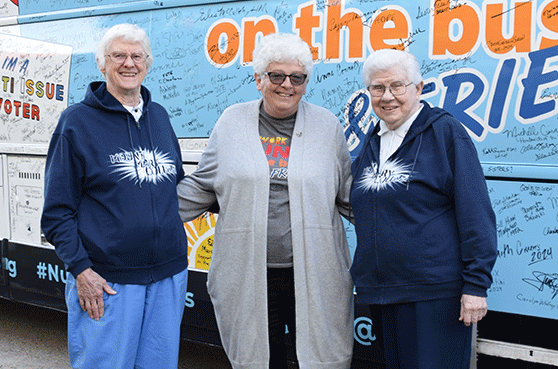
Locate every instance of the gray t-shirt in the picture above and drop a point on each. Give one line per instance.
(276, 135)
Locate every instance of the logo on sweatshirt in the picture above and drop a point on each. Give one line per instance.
(391, 174)
(142, 165)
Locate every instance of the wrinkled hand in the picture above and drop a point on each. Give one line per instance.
(473, 309)
(91, 287)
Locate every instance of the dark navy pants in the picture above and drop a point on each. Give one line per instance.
(425, 335)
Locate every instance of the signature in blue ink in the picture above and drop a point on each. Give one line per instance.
(542, 279)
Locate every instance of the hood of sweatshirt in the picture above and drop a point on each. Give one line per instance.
(97, 96)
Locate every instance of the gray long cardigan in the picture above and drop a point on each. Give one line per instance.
(234, 170)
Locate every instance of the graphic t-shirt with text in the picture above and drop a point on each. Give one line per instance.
(275, 135)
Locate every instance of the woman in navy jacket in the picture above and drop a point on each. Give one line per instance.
(111, 211)
(424, 222)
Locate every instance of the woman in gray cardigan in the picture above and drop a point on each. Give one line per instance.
(279, 168)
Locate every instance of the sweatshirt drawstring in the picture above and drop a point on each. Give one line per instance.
(414, 161)
(148, 128)
(132, 148)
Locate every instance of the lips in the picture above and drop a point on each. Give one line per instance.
(284, 94)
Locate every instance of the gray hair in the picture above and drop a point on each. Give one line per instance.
(280, 48)
(386, 59)
(127, 33)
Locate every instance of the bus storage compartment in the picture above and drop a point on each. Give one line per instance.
(26, 187)
(4, 212)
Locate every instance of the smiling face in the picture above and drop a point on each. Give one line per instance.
(124, 79)
(281, 101)
(395, 110)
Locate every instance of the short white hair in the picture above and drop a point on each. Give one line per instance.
(280, 48)
(387, 59)
(127, 33)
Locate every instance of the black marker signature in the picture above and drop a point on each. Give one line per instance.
(542, 279)
(509, 10)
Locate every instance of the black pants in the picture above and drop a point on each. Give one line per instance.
(281, 312)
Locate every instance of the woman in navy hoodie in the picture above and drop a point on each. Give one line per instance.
(424, 222)
(111, 211)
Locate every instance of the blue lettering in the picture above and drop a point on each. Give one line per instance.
(10, 266)
(459, 105)
(11, 63)
(496, 117)
(363, 331)
(189, 303)
(358, 120)
(529, 108)
(60, 92)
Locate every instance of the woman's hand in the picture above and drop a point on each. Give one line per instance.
(91, 288)
(473, 309)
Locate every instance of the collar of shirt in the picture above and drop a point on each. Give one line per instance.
(400, 131)
(136, 110)
(391, 140)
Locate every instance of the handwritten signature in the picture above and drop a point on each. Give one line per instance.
(542, 279)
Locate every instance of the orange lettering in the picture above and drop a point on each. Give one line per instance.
(549, 17)
(521, 38)
(305, 21)
(35, 112)
(50, 90)
(443, 27)
(335, 23)
(278, 150)
(389, 25)
(222, 52)
(251, 29)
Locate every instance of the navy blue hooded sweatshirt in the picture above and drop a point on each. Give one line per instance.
(110, 191)
(424, 222)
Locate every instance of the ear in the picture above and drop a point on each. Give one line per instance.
(102, 69)
(420, 86)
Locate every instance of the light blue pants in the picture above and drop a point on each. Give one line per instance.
(139, 330)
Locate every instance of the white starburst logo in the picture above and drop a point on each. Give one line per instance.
(392, 173)
(143, 165)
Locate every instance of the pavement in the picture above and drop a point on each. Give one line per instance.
(33, 337)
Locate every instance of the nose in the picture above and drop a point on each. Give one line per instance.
(387, 94)
(285, 83)
(128, 61)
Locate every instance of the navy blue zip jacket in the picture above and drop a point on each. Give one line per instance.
(110, 191)
(424, 222)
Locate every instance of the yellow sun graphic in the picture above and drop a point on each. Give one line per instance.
(200, 233)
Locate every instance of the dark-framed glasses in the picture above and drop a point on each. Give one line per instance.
(119, 57)
(396, 89)
(278, 78)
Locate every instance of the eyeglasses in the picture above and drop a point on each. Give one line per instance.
(120, 57)
(396, 89)
(278, 78)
